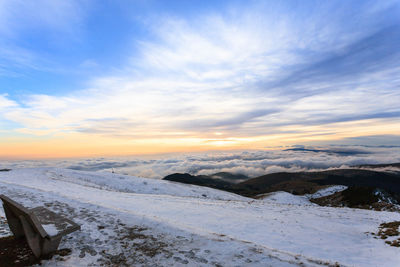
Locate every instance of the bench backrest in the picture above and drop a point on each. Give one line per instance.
(19, 210)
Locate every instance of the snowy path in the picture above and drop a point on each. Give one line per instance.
(296, 233)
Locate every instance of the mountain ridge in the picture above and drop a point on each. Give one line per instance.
(300, 183)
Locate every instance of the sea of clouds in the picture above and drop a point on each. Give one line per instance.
(251, 163)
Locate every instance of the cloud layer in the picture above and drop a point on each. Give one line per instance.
(250, 163)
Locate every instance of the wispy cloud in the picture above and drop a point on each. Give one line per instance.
(246, 72)
(6, 103)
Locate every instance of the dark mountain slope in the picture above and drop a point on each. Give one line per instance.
(296, 183)
(308, 182)
(202, 180)
(361, 197)
(394, 165)
(229, 177)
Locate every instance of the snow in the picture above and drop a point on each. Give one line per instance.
(128, 184)
(281, 197)
(219, 228)
(50, 229)
(327, 191)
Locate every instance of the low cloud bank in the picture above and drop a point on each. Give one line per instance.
(250, 163)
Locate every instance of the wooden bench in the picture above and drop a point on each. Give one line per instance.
(42, 228)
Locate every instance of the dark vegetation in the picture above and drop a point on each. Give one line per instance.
(355, 196)
(16, 252)
(389, 230)
(362, 198)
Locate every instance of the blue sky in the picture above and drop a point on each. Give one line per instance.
(189, 75)
(57, 52)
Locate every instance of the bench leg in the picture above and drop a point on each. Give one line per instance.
(39, 246)
(13, 222)
(50, 246)
(33, 239)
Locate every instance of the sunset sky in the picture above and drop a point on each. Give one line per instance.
(91, 78)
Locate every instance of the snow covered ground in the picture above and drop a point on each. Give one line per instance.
(281, 197)
(135, 221)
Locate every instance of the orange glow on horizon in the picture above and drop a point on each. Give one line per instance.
(85, 145)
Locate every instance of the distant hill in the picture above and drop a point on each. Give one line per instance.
(373, 166)
(343, 152)
(299, 183)
(308, 182)
(202, 180)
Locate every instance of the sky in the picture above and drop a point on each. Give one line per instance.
(108, 78)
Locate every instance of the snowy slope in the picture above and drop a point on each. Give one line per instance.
(281, 197)
(222, 228)
(118, 183)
